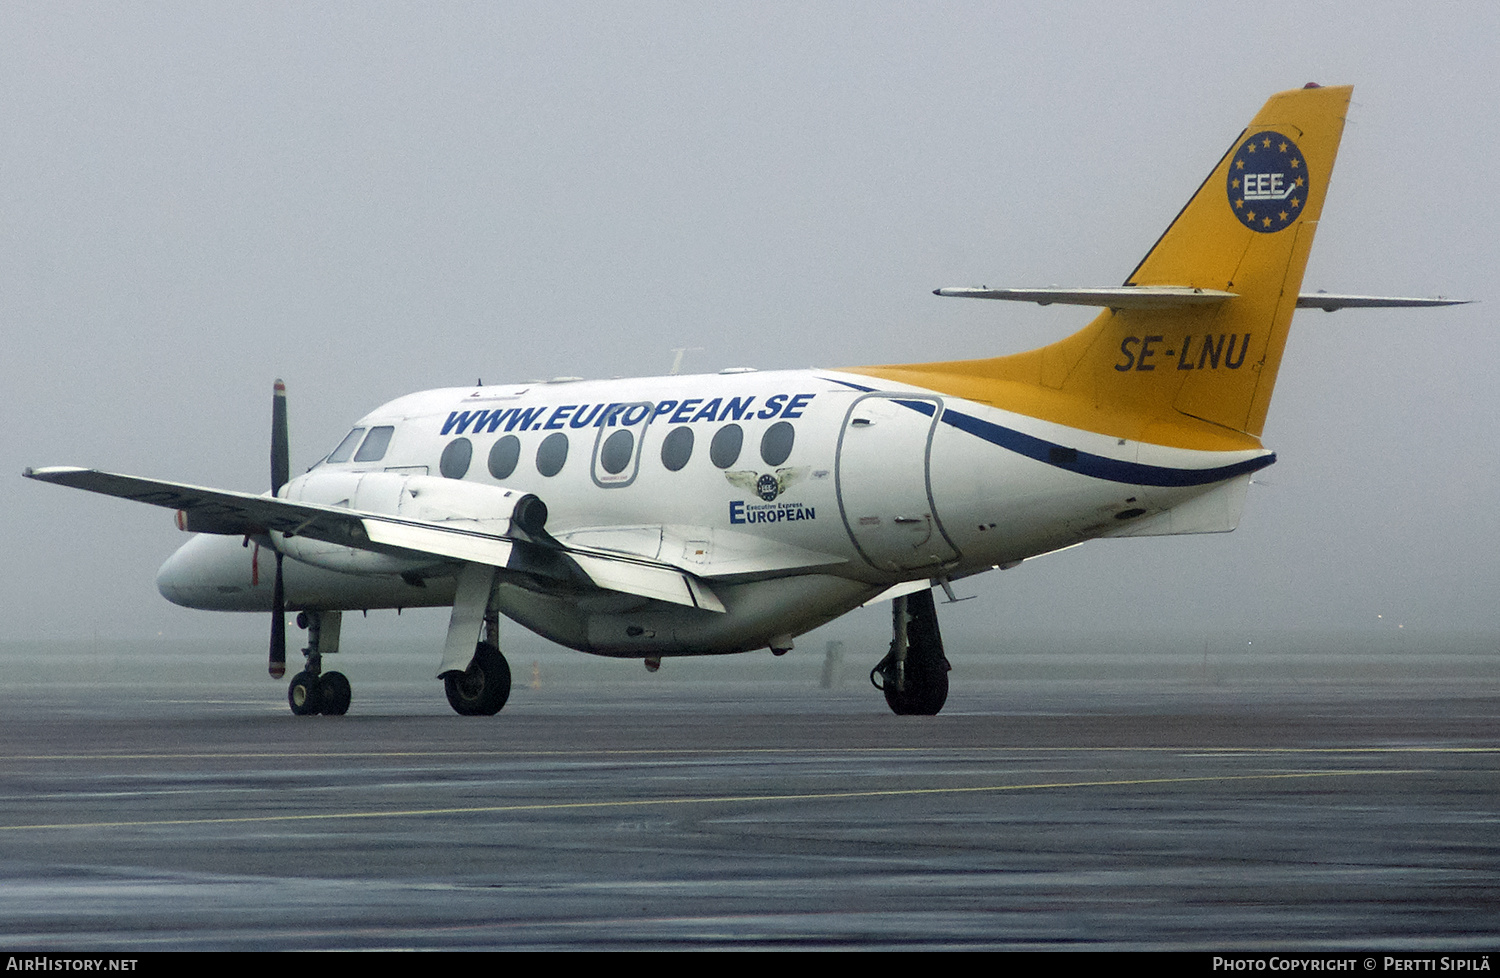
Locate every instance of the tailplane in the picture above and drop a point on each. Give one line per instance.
(1187, 350)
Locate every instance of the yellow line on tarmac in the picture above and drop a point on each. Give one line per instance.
(946, 750)
(706, 800)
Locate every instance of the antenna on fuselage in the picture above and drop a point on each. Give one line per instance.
(681, 353)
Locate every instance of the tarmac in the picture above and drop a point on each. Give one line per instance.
(616, 811)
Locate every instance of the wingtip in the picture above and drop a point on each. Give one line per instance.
(47, 471)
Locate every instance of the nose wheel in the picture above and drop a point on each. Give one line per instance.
(328, 694)
(313, 691)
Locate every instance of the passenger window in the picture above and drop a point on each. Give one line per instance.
(677, 448)
(776, 444)
(456, 457)
(373, 450)
(724, 450)
(617, 452)
(504, 456)
(552, 453)
(346, 447)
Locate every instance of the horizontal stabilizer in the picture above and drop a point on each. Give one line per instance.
(1177, 296)
(1332, 302)
(1123, 297)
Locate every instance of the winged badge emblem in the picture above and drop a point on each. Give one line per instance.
(767, 485)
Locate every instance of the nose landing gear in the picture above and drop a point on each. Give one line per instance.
(312, 690)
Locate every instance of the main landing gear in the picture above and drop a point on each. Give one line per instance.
(477, 682)
(914, 674)
(482, 689)
(312, 690)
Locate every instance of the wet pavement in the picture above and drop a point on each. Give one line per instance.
(721, 814)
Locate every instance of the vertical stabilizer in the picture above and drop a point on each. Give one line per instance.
(1248, 230)
(1193, 375)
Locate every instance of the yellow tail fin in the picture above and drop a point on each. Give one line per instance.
(1196, 376)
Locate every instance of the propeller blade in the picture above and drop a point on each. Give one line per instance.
(281, 471)
(281, 465)
(278, 626)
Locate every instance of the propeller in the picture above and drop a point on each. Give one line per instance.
(280, 471)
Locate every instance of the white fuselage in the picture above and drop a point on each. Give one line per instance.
(836, 487)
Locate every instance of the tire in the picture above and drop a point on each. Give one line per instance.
(926, 692)
(482, 689)
(334, 694)
(304, 694)
(926, 665)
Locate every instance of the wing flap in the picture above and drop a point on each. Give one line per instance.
(703, 552)
(474, 548)
(649, 580)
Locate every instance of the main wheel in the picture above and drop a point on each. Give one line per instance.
(482, 689)
(304, 694)
(926, 691)
(334, 692)
(926, 667)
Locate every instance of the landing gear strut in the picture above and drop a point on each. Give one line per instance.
(480, 687)
(312, 690)
(914, 674)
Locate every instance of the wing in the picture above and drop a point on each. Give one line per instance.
(517, 548)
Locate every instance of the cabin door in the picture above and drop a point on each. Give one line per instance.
(885, 494)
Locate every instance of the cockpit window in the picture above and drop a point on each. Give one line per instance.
(346, 447)
(373, 450)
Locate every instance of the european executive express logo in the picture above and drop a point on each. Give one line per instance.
(1267, 182)
(768, 486)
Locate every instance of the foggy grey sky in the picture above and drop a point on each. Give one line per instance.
(369, 199)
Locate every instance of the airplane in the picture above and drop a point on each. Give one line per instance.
(730, 512)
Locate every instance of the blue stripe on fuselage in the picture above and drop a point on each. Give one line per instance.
(1072, 460)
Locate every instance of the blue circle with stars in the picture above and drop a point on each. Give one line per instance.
(1267, 182)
